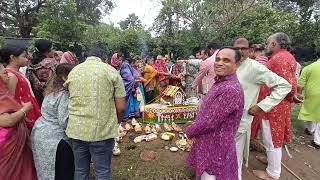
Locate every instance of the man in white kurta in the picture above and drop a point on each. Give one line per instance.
(252, 75)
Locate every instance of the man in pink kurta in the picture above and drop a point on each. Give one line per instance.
(206, 69)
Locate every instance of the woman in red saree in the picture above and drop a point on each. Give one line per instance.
(19, 86)
(16, 161)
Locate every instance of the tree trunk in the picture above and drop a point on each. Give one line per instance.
(25, 31)
(26, 25)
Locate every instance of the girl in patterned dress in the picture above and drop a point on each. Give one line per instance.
(50, 145)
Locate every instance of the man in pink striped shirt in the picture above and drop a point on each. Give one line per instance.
(206, 69)
(257, 53)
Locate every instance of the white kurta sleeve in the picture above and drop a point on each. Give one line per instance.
(279, 86)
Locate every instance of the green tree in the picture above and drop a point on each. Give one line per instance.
(91, 11)
(60, 23)
(199, 16)
(131, 22)
(105, 33)
(308, 11)
(20, 17)
(134, 41)
(258, 24)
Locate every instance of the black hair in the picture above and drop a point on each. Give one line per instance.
(42, 46)
(131, 60)
(9, 50)
(237, 52)
(56, 83)
(257, 47)
(214, 45)
(72, 49)
(148, 58)
(99, 50)
(206, 51)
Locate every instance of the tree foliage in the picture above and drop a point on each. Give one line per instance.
(200, 16)
(61, 23)
(91, 11)
(308, 12)
(258, 24)
(134, 41)
(186, 24)
(131, 22)
(105, 33)
(20, 17)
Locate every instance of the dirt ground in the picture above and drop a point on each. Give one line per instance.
(305, 161)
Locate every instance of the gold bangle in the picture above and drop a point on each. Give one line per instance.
(25, 114)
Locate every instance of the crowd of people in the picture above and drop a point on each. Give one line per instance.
(243, 89)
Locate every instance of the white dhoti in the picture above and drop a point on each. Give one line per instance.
(274, 155)
(314, 127)
(310, 126)
(240, 145)
(206, 176)
(316, 133)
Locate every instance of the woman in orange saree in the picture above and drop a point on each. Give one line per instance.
(16, 161)
(151, 84)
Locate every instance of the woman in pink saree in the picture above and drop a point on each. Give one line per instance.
(116, 61)
(70, 58)
(164, 77)
(16, 161)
